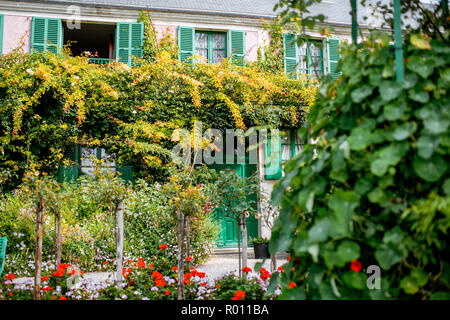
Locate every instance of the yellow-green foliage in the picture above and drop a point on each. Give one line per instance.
(51, 102)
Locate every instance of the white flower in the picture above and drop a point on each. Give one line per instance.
(277, 292)
(124, 296)
(154, 289)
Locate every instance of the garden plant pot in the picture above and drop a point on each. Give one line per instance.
(261, 250)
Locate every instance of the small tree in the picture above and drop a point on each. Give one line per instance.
(232, 194)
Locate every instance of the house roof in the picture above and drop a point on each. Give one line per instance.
(251, 8)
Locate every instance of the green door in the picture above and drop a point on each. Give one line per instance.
(228, 235)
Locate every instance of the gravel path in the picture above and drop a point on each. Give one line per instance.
(218, 265)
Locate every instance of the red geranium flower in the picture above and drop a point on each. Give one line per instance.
(141, 263)
(157, 275)
(44, 278)
(292, 285)
(239, 295)
(160, 283)
(175, 268)
(150, 266)
(163, 246)
(63, 298)
(246, 270)
(11, 294)
(166, 292)
(280, 268)
(188, 259)
(10, 276)
(356, 266)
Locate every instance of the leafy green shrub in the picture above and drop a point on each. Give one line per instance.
(375, 189)
(151, 222)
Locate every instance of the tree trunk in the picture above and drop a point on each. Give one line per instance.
(119, 241)
(38, 252)
(244, 242)
(180, 243)
(273, 260)
(58, 239)
(188, 239)
(239, 247)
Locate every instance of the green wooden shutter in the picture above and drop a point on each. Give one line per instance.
(186, 43)
(1, 35)
(236, 43)
(333, 57)
(272, 168)
(46, 34)
(72, 172)
(126, 173)
(290, 55)
(129, 41)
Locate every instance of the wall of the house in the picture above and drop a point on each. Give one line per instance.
(16, 32)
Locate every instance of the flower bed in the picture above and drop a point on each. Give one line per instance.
(142, 281)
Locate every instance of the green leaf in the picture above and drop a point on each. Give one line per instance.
(297, 293)
(440, 295)
(409, 285)
(394, 235)
(379, 167)
(418, 95)
(426, 145)
(377, 195)
(359, 138)
(387, 255)
(349, 251)
(436, 123)
(410, 80)
(319, 231)
(363, 185)
(343, 203)
(394, 111)
(389, 90)
(362, 92)
(404, 131)
(420, 277)
(356, 280)
(446, 187)
(430, 169)
(421, 66)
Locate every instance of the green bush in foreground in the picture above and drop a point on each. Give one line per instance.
(375, 189)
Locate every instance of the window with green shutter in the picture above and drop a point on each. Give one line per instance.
(290, 54)
(1, 35)
(308, 58)
(333, 57)
(186, 43)
(272, 165)
(46, 34)
(212, 46)
(129, 41)
(291, 145)
(236, 40)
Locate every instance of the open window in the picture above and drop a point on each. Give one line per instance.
(95, 38)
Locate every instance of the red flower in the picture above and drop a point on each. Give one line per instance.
(186, 281)
(44, 278)
(141, 263)
(160, 283)
(264, 274)
(239, 295)
(150, 266)
(48, 288)
(288, 258)
(246, 270)
(280, 268)
(63, 298)
(188, 259)
(106, 262)
(356, 266)
(10, 276)
(163, 246)
(292, 285)
(217, 286)
(157, 275)
(11, 294)
(166, 292)
(175, 268)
